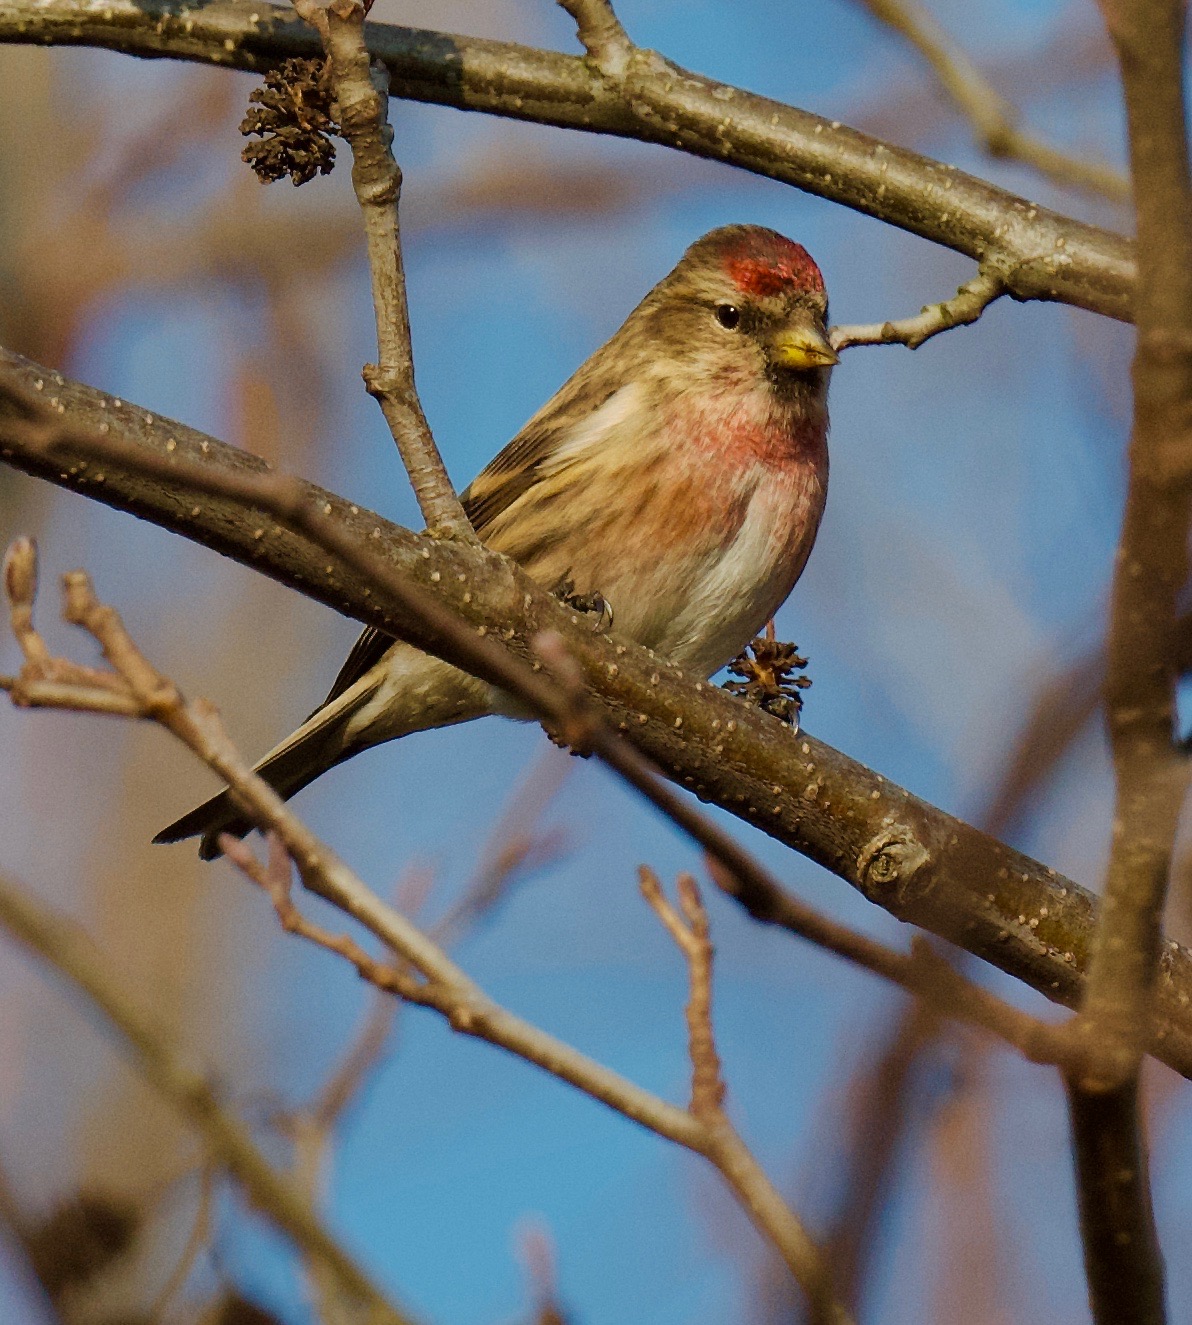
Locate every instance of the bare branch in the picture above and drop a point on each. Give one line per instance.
(993, 118)
(423, 973)
(1117, 1221)
(1041, 254)
(688, 927)
(200, 1236)
(271, 1193)
(965, 306)
(1152, 562)
(1122, 1255)
(362, 94)
(922, 865)
(690, 933)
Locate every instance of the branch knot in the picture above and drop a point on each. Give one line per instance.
(888, 863)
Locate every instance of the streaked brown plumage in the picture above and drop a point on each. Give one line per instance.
(681, 473)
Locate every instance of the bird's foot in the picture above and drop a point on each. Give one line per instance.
(767, 668)
(579, 749)
(589, 603)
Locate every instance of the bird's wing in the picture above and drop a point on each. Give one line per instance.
(577, 411)
(368, 650)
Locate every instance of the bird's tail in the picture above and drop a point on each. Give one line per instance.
(403, 691)
(319, 744)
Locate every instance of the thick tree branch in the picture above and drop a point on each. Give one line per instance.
(1039, 254)
(919, 863)
(993, 118)
(361, 92)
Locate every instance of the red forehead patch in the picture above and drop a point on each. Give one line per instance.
(773, 265)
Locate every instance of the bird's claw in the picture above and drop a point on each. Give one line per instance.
(589, 603)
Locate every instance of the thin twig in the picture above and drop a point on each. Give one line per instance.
(993, 118)
(361, 90)
(200, 1235)
(965, 306)
(690, 933)
(688, 927)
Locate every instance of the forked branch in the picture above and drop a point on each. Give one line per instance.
(719, 1140)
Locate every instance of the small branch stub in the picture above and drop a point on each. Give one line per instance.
(601, 35)
(965, 307)
(888, 864)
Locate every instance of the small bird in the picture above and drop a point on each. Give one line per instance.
(678, 477)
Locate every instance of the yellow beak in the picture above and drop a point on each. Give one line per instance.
(802, 346)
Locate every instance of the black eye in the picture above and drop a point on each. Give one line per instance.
(729, 316)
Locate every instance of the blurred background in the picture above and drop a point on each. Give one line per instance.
(952, 612)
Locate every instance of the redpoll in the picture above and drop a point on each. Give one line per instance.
(680, 475)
